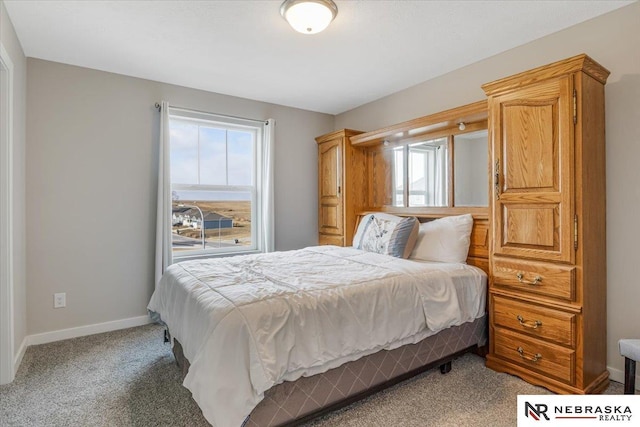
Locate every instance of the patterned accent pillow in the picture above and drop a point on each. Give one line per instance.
(387, 234)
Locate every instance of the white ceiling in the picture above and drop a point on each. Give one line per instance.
(244, 48)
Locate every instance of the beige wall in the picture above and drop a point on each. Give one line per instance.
(12, 45)
(614, 41)
(91, 186)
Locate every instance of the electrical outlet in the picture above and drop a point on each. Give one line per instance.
(59, 300)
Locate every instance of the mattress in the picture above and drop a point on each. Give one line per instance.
(248, 323)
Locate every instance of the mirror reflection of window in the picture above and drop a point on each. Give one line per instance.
(428, 171)
(471, 157)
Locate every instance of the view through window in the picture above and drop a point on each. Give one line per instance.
(214, 186)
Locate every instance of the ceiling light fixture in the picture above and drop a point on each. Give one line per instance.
(462, 126)
(309, 16)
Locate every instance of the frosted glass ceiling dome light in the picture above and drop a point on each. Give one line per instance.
(309, 16)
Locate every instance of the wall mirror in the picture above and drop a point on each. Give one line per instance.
(439, 172)
(434, 163)
(470, 169)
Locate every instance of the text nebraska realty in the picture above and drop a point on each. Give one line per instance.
(601, 413)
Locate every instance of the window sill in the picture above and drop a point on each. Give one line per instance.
(179, 258)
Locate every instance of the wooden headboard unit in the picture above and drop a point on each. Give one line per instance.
(356, 176)
(479, 245)
(377, 182)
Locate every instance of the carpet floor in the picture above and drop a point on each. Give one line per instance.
(129, 378)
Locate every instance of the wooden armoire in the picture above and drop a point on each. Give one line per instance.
(547, 296)
(341, 171)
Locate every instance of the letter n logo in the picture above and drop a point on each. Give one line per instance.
(536, 411)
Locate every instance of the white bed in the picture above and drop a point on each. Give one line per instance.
(250, 322)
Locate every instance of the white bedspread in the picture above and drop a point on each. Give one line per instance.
(250, 322)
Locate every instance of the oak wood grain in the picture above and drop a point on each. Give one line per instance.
(548, 222)
(342, 187)
(425, 126)
(543, 357)
(567, 66)
(556, 281)
(535, 320)
(533, 146)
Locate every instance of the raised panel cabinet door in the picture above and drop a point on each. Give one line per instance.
(533, 137)
(330, 215)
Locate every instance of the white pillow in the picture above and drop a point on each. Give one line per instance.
(386, 234)
(445, 239)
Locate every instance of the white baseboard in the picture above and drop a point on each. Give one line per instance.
(618, 376)
(17, 360)
(81, 331)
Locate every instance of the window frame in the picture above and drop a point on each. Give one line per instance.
(256, 189)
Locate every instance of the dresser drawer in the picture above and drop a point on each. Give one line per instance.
(548, 359)
(541, 322)
(541, 278)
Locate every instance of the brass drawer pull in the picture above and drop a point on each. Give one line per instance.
(536, 323)
(536, 280)
(534, 359)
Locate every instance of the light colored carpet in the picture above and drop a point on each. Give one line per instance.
(129, 378)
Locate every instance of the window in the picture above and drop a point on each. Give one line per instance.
(217, 178)
(428, 173)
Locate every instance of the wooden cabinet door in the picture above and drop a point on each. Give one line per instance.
(330, 213)
(533, 133)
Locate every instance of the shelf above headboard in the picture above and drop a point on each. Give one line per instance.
(445, 121)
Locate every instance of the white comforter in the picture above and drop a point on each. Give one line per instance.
(250, 322)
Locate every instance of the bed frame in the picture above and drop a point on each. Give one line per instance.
(292, 403)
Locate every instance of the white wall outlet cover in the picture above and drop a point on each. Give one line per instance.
(59, 300)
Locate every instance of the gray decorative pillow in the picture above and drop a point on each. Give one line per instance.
(387, 234)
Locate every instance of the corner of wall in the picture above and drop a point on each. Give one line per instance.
(11, 42)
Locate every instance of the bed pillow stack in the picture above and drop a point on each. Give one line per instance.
(444, 240)
(387, 234)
